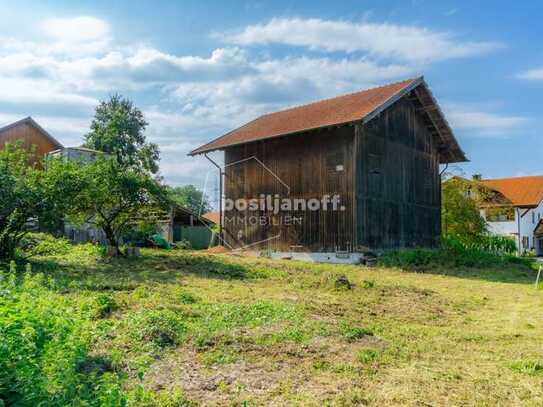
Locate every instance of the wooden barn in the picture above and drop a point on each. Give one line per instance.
(32, 136)
(379, 150)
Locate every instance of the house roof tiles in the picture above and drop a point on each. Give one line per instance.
(521, 191)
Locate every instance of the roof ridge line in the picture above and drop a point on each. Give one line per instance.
(340, 96)
(515, 177)
(409, 80)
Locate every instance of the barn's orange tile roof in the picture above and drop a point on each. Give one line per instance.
(329, 112)
(521, 191)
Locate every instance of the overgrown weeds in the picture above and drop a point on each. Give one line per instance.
(45, 339)
(451, 254)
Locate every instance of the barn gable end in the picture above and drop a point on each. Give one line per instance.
(31, 135)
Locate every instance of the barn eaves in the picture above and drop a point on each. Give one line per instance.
(356, 107)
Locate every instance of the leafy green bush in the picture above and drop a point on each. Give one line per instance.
(44, 244)
(44, 347)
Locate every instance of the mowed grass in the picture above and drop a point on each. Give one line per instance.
(208, 329)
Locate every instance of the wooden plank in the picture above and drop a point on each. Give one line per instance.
(311, 171)
(31, 138)
(398, 203)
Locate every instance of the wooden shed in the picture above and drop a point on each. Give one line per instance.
(32, 136)
(379, 150)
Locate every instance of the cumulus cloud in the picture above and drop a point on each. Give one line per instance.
(277, 84)
(484, 124)
(59, 77)
(406, 42)
(149, 65)
(77, 35)
(46, 97)
(78, 29)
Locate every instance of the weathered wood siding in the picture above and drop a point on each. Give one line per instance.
(389, 185)
(308, 164)
(398, 184)
(30, 138)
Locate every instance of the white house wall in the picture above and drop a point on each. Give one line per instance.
(527, 225)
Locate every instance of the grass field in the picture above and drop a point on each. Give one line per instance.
(183, 328)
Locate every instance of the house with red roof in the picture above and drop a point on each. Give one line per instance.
(334, 179)
(516, 210)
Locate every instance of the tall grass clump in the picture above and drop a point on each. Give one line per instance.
(44, 346)
(485, 251)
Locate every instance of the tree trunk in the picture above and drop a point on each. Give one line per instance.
(112, 240)
(8, 244)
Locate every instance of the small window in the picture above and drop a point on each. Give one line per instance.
(533, 217)
(525, 242)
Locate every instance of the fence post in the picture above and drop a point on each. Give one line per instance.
(538, 274)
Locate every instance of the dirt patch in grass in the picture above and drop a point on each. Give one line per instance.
(215, 385)
(412, 304)
(268, 375)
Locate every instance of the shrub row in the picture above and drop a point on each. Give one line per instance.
(486, 252)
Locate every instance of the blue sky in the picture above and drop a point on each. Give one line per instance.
(198, 69)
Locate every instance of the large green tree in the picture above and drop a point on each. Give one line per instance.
(460, 215)
(118, 129)
(190, 197)
(110, 196)
(27, 197)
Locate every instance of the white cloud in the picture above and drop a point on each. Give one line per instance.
(277, 84)
(409, 43)
(535, 74)
(484, 124)
(59, 77)
(130, 68)
(80, 34)
(41, 92)
(78, 29)
(149, 65)
(179, 169)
